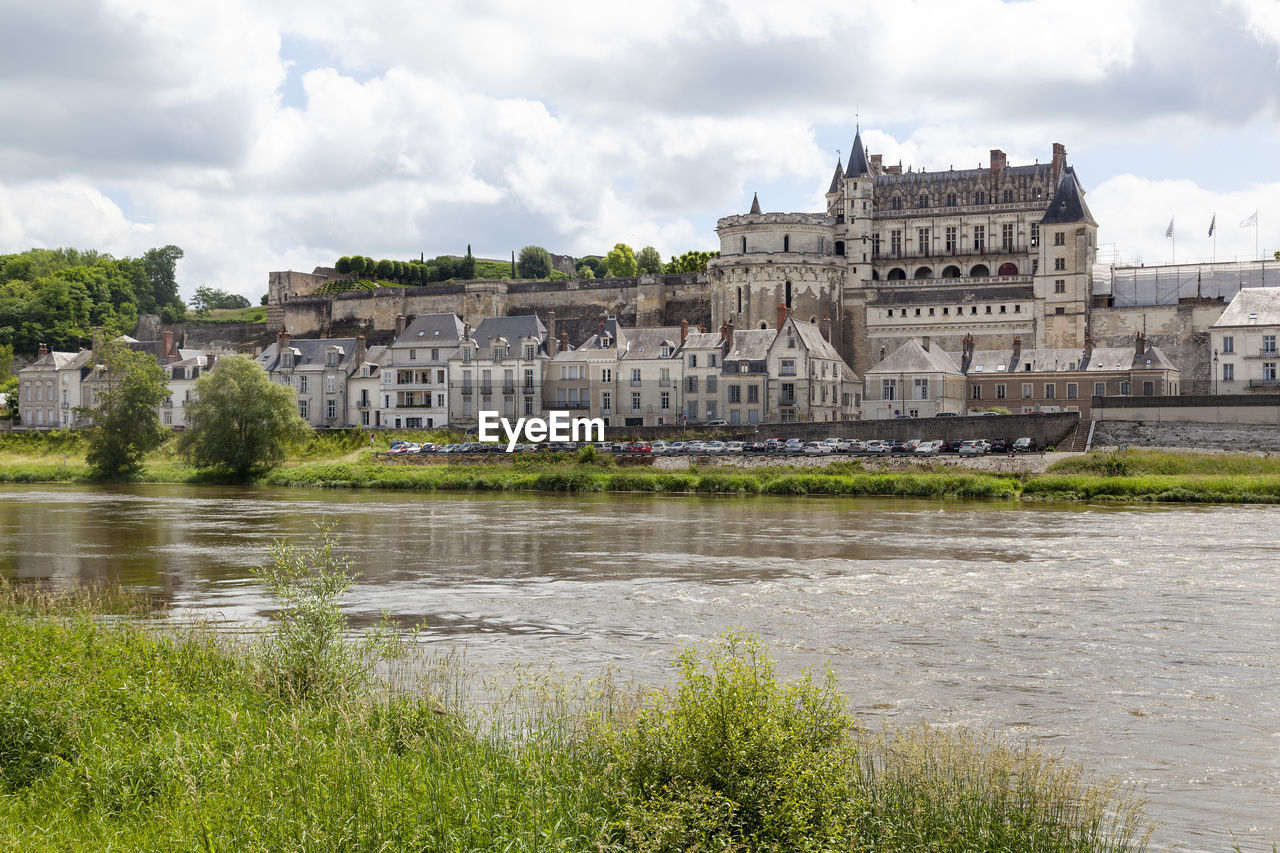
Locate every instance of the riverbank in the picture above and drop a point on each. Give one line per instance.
(341, 461)
(118, 734)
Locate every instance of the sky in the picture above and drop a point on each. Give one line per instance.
(264, 135)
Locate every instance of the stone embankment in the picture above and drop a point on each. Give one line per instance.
(1193, 436)
(1023, 463)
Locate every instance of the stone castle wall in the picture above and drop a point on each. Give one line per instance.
(1180, 331)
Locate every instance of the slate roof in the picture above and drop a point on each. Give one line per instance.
(440, 329)
(812, 338)
(1261, 302)
(310, 352)
(750, 344)
(1062, 360)
(647, 341)
(835, 179)
(755, 203)
(913, 358)
(910, 180)
(513, 329)
(1067, 204)
(857, 158)
(924, 295)
(703, 340)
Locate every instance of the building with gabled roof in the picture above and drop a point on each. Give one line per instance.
(1243, 340)
(498, 367)
(317, 369)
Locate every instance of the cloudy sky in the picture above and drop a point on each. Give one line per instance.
(279, 134)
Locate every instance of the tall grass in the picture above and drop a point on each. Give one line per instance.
(120, 735)
(1136, 462)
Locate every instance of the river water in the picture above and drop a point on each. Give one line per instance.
(1140, 641)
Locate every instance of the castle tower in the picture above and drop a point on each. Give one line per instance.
(772, 259)
(1062, 283)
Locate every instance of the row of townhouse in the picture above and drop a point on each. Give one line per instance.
(438, 371)
(54, 389)
(920, 380)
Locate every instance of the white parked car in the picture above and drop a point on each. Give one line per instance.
(659, 448)
(973, 447)
(713, 447)
(928, 448)
(815, 447)
(734, 446)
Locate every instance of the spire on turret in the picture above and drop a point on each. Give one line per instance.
(857, 158)
(1067, 204)
(755, 203)
(835, 179)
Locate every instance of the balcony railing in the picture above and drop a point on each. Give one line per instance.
(467, 390)
(786, 401)
(1264, 383)
(1265, 352)
(486, 390)
(509, 388)
(635, 383)
(572, 405)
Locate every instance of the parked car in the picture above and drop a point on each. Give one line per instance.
(734, 447)
(813, 448)
(928, 448)
(877, 447)
(757, 447)
(677, 447)
(951, 445)
(713, 447)
(973, 447)
(1000, 445)
(774, 445)
(659, 448)
(792, 445)
(640, 447)
(717, 423)
(946, 415)
(900, 448)
(1024, 445)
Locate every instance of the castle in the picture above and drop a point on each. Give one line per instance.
(986, 255)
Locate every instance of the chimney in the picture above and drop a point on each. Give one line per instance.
(1059, 162)
(551, 330)
(1140, 344)
(1088, 350)
(997, 166)
(684, 331)
(282, 341)
(208, 361)
(1017, 351)
(924, 343)
(564, 342)
(728, 337)
(826, 329)
(361, 350)
(466, 331)
(400, 324)
(783, 313)
(600, 330)
(166, 346)
(877, 163)
(43, 351)
(966, 347)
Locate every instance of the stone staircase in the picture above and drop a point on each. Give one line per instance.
(1079, 438)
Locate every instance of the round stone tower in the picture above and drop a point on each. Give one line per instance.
(772, 259)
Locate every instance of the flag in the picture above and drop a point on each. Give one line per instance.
(1251, 221)
(1212, 222)
(1168, 232)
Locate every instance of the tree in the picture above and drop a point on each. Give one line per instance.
(621, 261)
(238, 419)
(208, 298)
(690, 262)
(648, 261)
(535, 262)
(343, 266)
(161, 267)
(8, 397)
(384, 269)
(265, 298)
(596, 265)
(126, 419)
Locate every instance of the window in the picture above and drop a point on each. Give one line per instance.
(1061, 309)
(1125, 389)
(302, 384)
(922, 240)
(1000, 392)
(635, 401)
(951, 199)
(980, 197)
(979, 238)
(665, 401)
(711, 360)
(875, 245)
(1148, 389)
(711, 385)
(304, 409)
(1059, 285)
(635, 376)
(711, 410)
(331, 384)
(331, 409)
(889, 389)
(1050, 391)
(791, 343)
(788, 367)
(606, 375)
(1008, 196)
(1059, 264)
(1228, 344)
(691, 385)
(693, 358)
(1268, 344)
(364, 418)
(787, 291)
(439, 377)
(1035, 229)
(413, 355)
(1269, 372)
(744, 367)
(975, 392)
(735, 393)
(288, 359)
(1006, 235)
(1027, 393)
(896, 204)
(606, 401)
(1228, 373)
(435, 355)
(895, 242)
(528, 380)
(1059, 238)
(466, 355)
(498, 352)
(1073, 390)
(922, 201)
(920, 388)
(665, 352)
(753, 393)
(951, 237)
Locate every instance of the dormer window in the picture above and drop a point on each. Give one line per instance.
(331, 358)
(530, 351)
(497, 352)
(287, 360)
(466, 355)
(665, 352)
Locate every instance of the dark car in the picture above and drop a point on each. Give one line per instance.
(901, 448)
(951, 446)
(1024, 445)
(1000, 445)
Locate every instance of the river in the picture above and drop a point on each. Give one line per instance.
(1140, 641)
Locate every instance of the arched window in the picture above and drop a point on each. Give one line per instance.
(875, 275)
(924, 272)
(1008, 269)
(762, 325)
(897, 274)
(839, 247)
(980, 270)
(739, 299)
(788, 294)
(786, 242)
(951, 272)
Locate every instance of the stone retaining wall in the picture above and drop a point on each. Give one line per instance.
(1188, 435)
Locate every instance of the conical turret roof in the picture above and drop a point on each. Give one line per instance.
(835, 179)
(857, 159)
(755, 203)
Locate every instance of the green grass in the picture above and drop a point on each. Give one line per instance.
(1134, 462)
(228, 316)
(119, 735)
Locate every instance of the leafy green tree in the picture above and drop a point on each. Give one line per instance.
(126, 419)
(648, 261)
(208, 298)
(596, 265)
(621, 261)
(343, 266)
(6, 360)
(585, 271)
(8, 397)
(690, 262)
(161, 266)
(265, 298)
(239, 420)
(466, 269)
(535, 262)
(384, 269)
